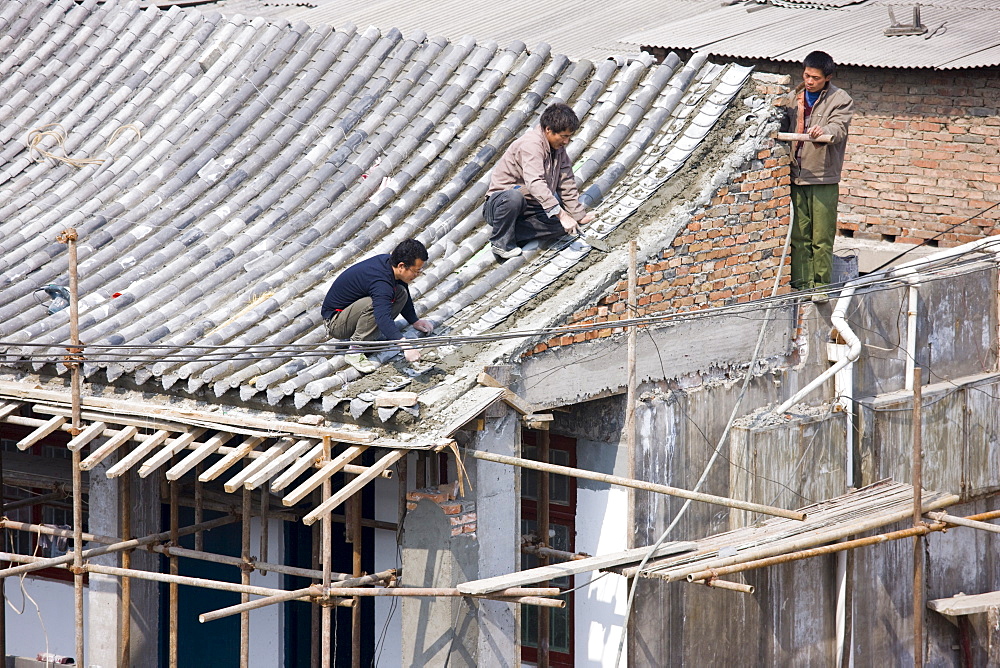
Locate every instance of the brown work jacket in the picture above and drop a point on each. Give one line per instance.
(814, 163)
(547, 175)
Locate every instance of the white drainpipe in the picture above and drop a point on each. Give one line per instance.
(853, 347)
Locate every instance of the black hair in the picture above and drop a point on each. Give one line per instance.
(408, 252)
(560, 118)
(822, 61)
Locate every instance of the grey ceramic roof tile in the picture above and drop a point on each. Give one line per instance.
(294, 153)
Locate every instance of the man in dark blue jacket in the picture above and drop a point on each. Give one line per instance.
(363, 302)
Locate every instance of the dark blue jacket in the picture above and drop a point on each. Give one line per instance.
(370, 278)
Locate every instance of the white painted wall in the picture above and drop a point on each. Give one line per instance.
(388, 617)
(601, 528)
(52, 619)
(267, 623)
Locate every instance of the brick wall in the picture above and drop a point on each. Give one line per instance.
(727, 253)
(461, 513)
(923, 154)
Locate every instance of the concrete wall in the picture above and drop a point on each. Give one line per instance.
(790, 620)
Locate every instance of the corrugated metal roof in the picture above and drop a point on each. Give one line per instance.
(269, 157)
(957, 37)
(587, 29)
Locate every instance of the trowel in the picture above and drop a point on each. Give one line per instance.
(596, 244)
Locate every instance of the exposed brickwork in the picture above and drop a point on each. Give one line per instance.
(924, 154)
(461, 513)
(728, 253)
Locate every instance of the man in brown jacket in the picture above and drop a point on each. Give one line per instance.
(532, 193)
(817, 108)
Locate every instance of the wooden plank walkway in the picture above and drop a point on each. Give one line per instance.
(553, 571)
(877, 505)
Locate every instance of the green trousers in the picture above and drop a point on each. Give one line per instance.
(814, 226)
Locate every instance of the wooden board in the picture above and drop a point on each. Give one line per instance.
(542, 573)
(966, 605)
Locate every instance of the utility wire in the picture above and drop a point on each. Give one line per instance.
(970, 261)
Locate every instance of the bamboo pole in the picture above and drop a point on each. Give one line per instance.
(918, 543)
(69, 237)
(552, 553)
(964, 522)
(310, 591)
(199, 507)
(630, 396)
(543, 535)
(803, 136)
(638, 484)
(829, 535)
(108, 549)
(316, 546)
(186, 580)
(35, 500)
(354, 511)
(510, 592)
(326, 646)
(169, 550)
(173, 566)
(294, 595)
(728, 584)
(245, 580)
(3, 592)
(125, 530)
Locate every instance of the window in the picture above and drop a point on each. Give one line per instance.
(562, 536)
(54, 458)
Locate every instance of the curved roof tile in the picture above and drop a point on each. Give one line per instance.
(244, 163)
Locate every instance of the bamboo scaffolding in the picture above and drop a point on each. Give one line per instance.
(638, 484)
(125, 528)
(350, 488)
(918, 541)
(922, 529)
(174, 566)
(114, 547)
(245, 579)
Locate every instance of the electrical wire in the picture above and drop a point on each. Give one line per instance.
(711, 461)
(960, 264)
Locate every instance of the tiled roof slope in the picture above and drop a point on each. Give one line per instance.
(269, 157)
(959, 35)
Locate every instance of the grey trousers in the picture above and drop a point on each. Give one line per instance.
(357, 321)
(517, 219)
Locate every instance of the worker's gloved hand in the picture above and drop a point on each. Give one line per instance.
(425, 326)
(411, 354)
(568, 223)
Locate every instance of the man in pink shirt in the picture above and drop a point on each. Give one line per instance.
(532, 193)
